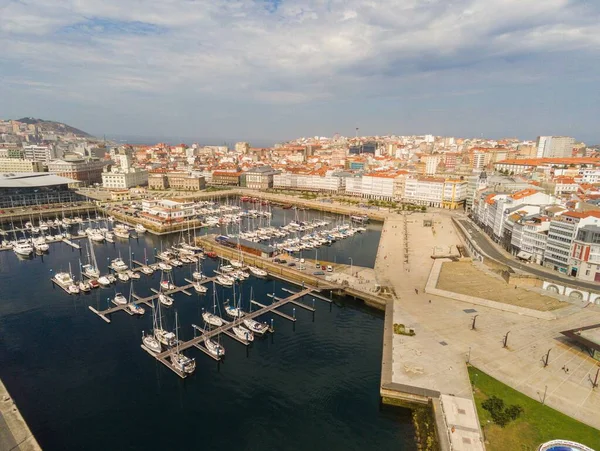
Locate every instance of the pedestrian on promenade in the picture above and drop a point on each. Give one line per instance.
(416, 291)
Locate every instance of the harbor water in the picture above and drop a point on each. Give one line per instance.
(81, 383)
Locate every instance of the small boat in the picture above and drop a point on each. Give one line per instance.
(255, 326)
(119, 299)
(135, 308)
(176, 262)
(123, 277)
(200, 288)
(104, 281)
(85, 287)
(181, 362)
(165, 300)
(197, 275)
(147, 270)
(23, 247)
(132, 274)
(224, 281)
(212, 319)
(73, 289)
(214, 348)
(167, 285)
(118, 264)
(94, 283)
(151, 343)
(243, 333)
(154, 266)
(234, 312)
(211, 254)
(257, 272)
(166, 338)
(164, 266)
(236, 263)
(140, 229)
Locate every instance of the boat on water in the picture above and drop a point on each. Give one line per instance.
(112, 278)
(165, 300)
(167, 285)
(96, 236)
(121, 231)
(118, 264)
(94, 283)
(104, 281)
(140, 229)
(236, 263)
(122, 276)
(181, 362)
(211, 254)
(164, 266)
(165, 337)
(255, 326)
(40, 244)
(225, 281)
(132, 274)
(233, 311)
(212, 318)
(132, 306)
(151, 343)
(23, 248)
(257, 272)
(200, 288)
(243, 333)
(147, 270)
(214, 348)
(197, 275)
(119, 299)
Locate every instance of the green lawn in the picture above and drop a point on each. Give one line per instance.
(536, 425)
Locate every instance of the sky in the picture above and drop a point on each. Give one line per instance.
(273, 70)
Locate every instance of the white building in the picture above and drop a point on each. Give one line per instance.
(435, 192)
(431, 164)
(18, 165)
(39, 153)
(554, 146)
(589, 176)
(117, 179)
(308, 182)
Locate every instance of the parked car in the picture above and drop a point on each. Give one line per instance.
(329, 268)
(318, 273)
(323, 267)
(276, 260)
(291, 264)
(301, 267)
(283, 261)
(318, 265)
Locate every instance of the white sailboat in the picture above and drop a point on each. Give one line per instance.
(163, 336)
(232, 310)
(214, 348)
(83, 285)
(149, 341)
(91, 268)
(212, 318)
(181, 362)
(257, 272)
(163, 298)
(146, 269)
(119, 299)
(132, 306)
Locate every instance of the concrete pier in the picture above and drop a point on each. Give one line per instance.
(14, 432)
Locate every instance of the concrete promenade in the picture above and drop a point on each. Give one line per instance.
(14, 432)
(435, 357)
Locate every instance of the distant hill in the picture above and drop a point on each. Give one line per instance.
(52, 126)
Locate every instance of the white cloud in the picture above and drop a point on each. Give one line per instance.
(291, 52)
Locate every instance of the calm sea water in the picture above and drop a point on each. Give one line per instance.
(83, 384)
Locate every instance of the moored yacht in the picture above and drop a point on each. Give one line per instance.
(257, 272)
(119, 299)
(104, 281)
(212, 319)
(23, 247)
(243, 333)
(214, 348)
(255, 326)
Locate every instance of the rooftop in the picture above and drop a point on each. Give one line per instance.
(32, 180)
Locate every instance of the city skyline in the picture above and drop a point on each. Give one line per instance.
(275, 70)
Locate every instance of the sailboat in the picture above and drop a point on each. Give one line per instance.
(214, 348)
(146, 269)
(212, 318)
(197, 275)
(132, 306)
(163, 298)
(83, 285)
(91, 268)
(149, 341)
(232, 310)
(181, 362)
(164, 337)
(73, 288)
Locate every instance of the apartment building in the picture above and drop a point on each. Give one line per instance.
(39, 153)
(226, 178)
(183, 181)
(118, 179)
(86, 171)
(435, 192)
(323, 183)
(167, 210)
(17, 165)
(259, 178)
(561, 235)
(585, 255)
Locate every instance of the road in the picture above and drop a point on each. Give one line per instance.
(482, 241)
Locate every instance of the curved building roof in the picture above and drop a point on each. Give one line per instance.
(32, 179)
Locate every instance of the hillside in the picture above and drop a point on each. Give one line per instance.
(52, 126)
